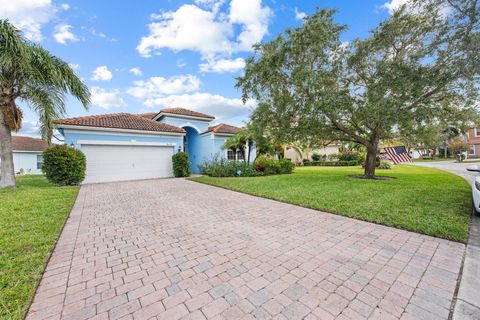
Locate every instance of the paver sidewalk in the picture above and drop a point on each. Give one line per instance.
(175, 249)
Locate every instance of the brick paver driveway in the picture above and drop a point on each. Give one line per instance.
(170, 249)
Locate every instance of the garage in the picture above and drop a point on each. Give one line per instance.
(121, 162)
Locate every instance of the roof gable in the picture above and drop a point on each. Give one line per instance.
(20, 143)
(121, 121)
(223, 128)
(183, 112)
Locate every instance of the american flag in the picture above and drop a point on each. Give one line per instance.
(398, 154)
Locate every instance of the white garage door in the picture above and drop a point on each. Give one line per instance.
(107, 163)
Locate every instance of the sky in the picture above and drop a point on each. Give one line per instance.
(142, 56)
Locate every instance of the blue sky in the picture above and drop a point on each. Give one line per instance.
(141, 56)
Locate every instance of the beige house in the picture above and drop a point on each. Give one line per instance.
(295, 157)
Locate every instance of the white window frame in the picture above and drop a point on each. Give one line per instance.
(39, 162)
(238, 155)
(234, 154)
(475, 132)
(472, 148)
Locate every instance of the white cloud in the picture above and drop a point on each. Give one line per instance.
(393, 5)
(136, 71)
(220, 106)
(107, 99)
(299, 15)
(181, 63)
(63, 34)
(254, 20)
(99, 34)
(74, 66)
(188, 28)
(28, 15)
(223, 65)
(159, 86)
(206, 30)
(101, 74)
(65, 6)
(213, 5)
(29, 128)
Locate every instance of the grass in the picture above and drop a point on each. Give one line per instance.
(423, 200)
(31, 218)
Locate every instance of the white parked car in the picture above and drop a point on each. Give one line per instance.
(475, 190)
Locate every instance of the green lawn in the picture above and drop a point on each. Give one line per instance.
(421, 199)
(31, 217)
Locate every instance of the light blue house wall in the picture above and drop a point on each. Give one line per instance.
(200, 125)
(27, 160)
(194, 148)
(73, 136)
(200, 144)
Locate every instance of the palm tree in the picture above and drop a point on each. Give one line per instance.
(30, 74)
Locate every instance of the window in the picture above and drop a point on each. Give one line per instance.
(39, 161)
(239, 155)
(472, 149)
(231, 154)
(477, 132)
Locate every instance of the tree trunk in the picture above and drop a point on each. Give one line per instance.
(7, 173)
(370, 162)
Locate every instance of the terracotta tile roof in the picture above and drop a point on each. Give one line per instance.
(28, 144)
(148, 115)
(223, 128)
(186, 112)
(120, 121)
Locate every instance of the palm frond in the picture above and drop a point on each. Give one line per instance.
(31, 73)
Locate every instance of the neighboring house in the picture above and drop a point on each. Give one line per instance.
(473, 138)
(28, 154)
(295, 157)
(126, 146)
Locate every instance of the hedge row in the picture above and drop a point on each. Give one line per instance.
(331, 163)
(263, 166)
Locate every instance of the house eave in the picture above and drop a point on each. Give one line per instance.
(180, 116)
(103, 129)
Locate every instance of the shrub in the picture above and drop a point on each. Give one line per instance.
(333, 156)
(267, 165)
(306, 162)
(384, 164)
(64, 165)
(286, 166)
(349, 156)
(263, 166)
(224, 168)
(181, 167)
(334, 163)
(458, 148)
(316, 157)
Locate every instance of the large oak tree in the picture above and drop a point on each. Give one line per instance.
(420, 64)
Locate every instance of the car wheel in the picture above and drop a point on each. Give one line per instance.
(475, 211)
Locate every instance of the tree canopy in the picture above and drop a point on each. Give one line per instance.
(415, 66)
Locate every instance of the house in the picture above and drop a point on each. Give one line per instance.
(125, 146)
(292, 154)
(28, 154)
(472, 136)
